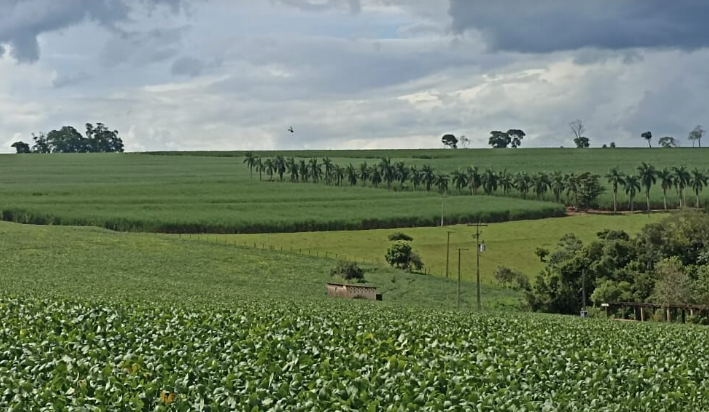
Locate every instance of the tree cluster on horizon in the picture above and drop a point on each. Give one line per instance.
(98, 139)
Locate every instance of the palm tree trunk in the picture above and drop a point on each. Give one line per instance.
(615, 201)
(664, 195)
(647, 197)
(697, 193)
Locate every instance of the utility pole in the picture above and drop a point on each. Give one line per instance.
(459, 250)
(448, 250)
(480, 247)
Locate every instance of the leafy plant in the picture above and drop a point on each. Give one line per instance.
(400, 236)
(347, 271)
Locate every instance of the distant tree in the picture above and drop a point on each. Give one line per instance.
(542, 253)
(351, 175)
(250, 162)
(571, 184)
(303, 171)
(270, 168)
(459, 179)
(102, 140)
(647, 136)
(402, 173)
(258, 165)
(556, 183)
(668, 142)
(672, 287)
(279, 166)
(589, 188)
(442, 182)
(612, 145)
(387, 171)
(666, 178)
(416, 177)
(21, 147)
(648, 177)
(329, 167)
(698, 182)
(501, 140)
(523, 183)
(338, 175)
(615, 178)
(400, 236)
(632, 187)
(450, 140)
(474, 179)
(577, 128)
(401, 256)
(347, 271)
(682, 179)
(505, 180)
(292, 167)
(605, 146)
(67, 140)
(375, 177)
(464, 141)
(696, 135)
(489, 181)
(541, 184)
(364, 172)
(40, 143)
(510, 278)
(429, 176)
(315, 170)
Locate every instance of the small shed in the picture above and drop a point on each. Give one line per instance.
(342, 290)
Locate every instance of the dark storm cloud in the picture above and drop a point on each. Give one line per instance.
(557, 25)
(22, 21)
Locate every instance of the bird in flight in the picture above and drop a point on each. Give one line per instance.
(290, 129)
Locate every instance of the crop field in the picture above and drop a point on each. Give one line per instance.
(189, 194)
(509, 244)
(304, 356)
(597, 161)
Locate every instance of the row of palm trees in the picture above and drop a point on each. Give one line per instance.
(474, 180)
(647, 176)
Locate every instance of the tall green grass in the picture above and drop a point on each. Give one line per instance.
(188, 194)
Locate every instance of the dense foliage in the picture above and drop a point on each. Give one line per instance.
(401, 256)
(98, 139)
(297, 356)
(347, 270)
(667, 263)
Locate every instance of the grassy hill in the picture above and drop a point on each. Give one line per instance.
(191, 194)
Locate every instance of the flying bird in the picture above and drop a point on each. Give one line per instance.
(290, 129)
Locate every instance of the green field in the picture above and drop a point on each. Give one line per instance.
(90, 262)
(523, 160)
(509, 244)
(191, 194)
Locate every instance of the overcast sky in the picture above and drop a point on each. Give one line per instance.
(235, 74)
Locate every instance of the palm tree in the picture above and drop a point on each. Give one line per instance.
(375, 177)
(270, 167)
(279, 166)
(666, 178)
(338, 174)
(303, 171)
(541, 184)
(489, 181)
(292, 169)
(682, 180)
(571, 183)
(416, 177)
(523, 183)
(351, 174)
(648, 177)
(699, 180)
(442, 182)
(459, 179)
(615, 178)
(556, 183)
(258, 164)
(315, 170)
(474, 179)
(505, 182)
(364, 172)
(632, 187)
(387, 171)
(402, 173)
(428, 176)
(329, 168)
(250, 162)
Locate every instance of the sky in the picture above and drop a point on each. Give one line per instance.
(353, 74)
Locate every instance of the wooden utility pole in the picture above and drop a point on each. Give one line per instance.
(448, 250)
(459, 250)
(478, 249)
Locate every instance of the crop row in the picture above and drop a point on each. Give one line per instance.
(262, 355)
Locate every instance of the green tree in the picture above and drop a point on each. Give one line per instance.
(329, 168)
(21, 147)
(270, 168)
(100, 139)
(402, 173)
(666, 178)
(441, 182)
(698, 182)
(292, 167)
(474, 179)
(40, 143)
(588, 190)
(387, 171)
(315, 170)
(449, 140)
(556, 183)
(505, 181)
(667, 142)
(250, 162)
(615, 178)
(632, 187)
(429, 176)
(489, 181)
(279, 166)
(364, 172)
(648, 177)
(459, 179)
(673, 285)
(542, 253)
(541, 184)
(696, 135)
(501, 140)
(682, 178)
(67, 140)
(303, 171)
(416, 177)
(523, 183)
(375, 177)
(401, 256)
(258, 165)
(338, 175)
(647, 136)
(351, 175)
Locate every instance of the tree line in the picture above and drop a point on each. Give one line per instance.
(98, 139)
(580, 190)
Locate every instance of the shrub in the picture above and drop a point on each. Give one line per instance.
(347, 271)
(400, 236)
(513, 279)
(542, 253)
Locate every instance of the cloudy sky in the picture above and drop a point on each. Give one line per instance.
(235, 74)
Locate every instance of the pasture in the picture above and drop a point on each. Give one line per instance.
(509, 244)
(196, 194)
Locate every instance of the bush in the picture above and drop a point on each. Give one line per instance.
(400, 256)
(347, 271)
(512, 279)
(542, 253)
(400, 236)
